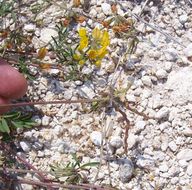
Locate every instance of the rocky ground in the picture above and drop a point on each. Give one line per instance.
(159, 147)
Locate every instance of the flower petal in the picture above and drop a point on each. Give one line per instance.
(96, 34)
(82, 62)
(77, 57)
(105, 41)
(102, 52)
(98, 63)
(92, 54)
(42, 52)
(83, 43)
(82, 32)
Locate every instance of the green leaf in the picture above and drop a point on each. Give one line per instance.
(16, 120)
(10, 115)
(17, 116)
(90, 164)
(4, 126)
(17, 124)
(28, 125)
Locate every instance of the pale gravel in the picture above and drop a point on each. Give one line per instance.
(160, 148)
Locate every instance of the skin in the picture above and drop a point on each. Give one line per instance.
(13, 85)
(5, 109)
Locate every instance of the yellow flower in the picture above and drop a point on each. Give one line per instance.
(98, 63)
(105, 41)
(83, 43)
(97, 54)
(96, 34)
(45, 66)
(92, 54)
(82, 62)
(82, 32)
(101, 37)
(95, 51)
(42, 52)
(83, 39)
(77, 57)
(102, 52)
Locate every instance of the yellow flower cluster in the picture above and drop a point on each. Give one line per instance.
(83, 39)
(100, 43)
(96, 50)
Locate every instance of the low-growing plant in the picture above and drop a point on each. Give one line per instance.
(14, 120)
(73, 170)
(5, 8)
(22, 66)
(79, 51)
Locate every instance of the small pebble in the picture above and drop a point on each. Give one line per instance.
(29, 27)
(188, 50)
(163, 168)
(145, 161)
(116, 142)
(126, 171)
(174, 180)
(132, 139)
(163, 113)
(130, 97)
(106, 8)
(171, 55)
(173, 146)
(187, 132)
(189, 169)
(146, 80)
(183, 18)
(25, 146)
(161, 74)
(87, 91)
(96, 138)
(75, 130)
(183, 163)
(47, 34)
(185, 154)
(45, 120)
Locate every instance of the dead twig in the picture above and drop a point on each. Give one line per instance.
(103, 131)
(56, 185)
(54, 102)
(23, 171)
(127, 126)
(158, 30)
(143, 7)
(134, 110)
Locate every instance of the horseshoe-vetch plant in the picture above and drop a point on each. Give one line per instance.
(88, 48)
(92, 48)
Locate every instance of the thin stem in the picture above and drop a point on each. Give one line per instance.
(20, 171)
(158, 30)
(57, 185)
(103, 131)
(54, 102)
(134, 110)
(127, 126)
